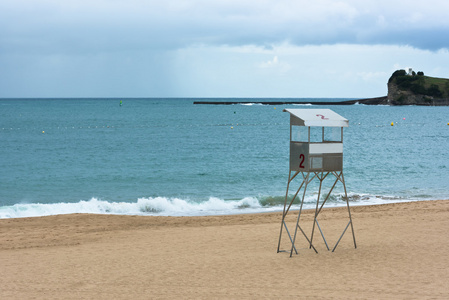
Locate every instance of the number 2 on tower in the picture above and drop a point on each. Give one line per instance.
(301, 163)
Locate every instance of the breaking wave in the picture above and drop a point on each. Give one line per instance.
(162, 206)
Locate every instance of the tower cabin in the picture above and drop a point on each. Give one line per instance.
(316, 140)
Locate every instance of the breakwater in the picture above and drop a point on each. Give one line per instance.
(367, 101)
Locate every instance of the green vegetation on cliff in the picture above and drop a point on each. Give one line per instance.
(418, 84)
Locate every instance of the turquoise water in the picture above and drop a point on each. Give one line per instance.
(170, 157)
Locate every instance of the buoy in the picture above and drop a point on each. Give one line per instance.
(392, 123)
(403, 118)
(232, 127)
(275, 108)
(44, 131)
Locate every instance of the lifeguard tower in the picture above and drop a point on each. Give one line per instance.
(316, 152)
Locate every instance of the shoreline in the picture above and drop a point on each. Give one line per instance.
(401, 253)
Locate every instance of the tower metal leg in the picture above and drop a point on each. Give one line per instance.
(349, 211)
(286, 209)
(306, 180)
(316, 209)
(283, 213)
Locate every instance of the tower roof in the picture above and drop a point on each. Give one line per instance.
(316, 117)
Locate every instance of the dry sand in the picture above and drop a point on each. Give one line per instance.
(402, 253)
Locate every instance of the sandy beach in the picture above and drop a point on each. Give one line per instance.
(402, 253)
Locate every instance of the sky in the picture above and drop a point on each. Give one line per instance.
(216, 48)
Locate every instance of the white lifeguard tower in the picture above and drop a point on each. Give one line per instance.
(316, 151)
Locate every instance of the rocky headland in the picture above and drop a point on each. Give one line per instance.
(410, 88)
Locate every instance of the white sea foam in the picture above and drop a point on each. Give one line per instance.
(162, 206)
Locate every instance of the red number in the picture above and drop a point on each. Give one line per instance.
(301, 157)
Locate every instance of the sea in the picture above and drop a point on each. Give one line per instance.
(171, 157)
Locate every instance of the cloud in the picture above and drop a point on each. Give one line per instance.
(270, 63)
(100, 25)
(276, 65)
(215, 48)
(371, 76)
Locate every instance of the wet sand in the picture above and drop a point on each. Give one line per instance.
(402, 253)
